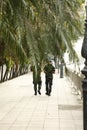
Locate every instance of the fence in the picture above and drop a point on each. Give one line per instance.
(76, 80)
(7, 74)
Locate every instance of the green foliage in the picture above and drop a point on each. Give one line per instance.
(33, 29)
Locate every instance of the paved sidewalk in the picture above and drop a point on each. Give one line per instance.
(20, 109)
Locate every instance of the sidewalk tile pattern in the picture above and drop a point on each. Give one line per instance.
(20, 109)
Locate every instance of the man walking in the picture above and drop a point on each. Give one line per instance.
(36, 79)
(49, 70)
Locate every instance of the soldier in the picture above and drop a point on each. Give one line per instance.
(36, 79)
(49, 70)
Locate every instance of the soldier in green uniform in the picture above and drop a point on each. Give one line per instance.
(49, 70)
(36, 79)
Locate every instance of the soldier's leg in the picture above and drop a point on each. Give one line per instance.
(47, 88)
(50, 87)
(46, 83)
(35, 88)
(39, 87)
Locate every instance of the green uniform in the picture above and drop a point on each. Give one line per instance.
(49, 70)
(36, 79)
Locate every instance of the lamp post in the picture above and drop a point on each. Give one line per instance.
(84, 72)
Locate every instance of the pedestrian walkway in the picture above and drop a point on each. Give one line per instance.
(20, 109)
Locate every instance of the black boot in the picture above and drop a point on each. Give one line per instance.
(46, 93)
(35, 93)
(39, 92)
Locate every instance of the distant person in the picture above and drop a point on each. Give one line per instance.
(49, 70)
(36, 79)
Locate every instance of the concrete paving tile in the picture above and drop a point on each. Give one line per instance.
(34, 128)
(22, 118)
(68, 128)
(7, 120)
(79, 127)
(65, 115)
(51, 124)
(38, 116)
(37, 119)
(53, 111)
(36, 124)
(66, 123)
(79, 124)
(51, 116)
(17, 128)
(77, 115)
(51, 128)
(21, 110)
(51, 120)
(20, 123)
(4, 127)
(2, 115)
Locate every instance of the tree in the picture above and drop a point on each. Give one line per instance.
(31, 30)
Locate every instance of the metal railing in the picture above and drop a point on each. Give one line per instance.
(76, 80)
